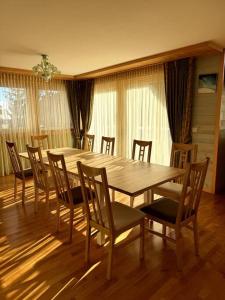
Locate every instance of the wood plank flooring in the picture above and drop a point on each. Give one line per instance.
(37, 263)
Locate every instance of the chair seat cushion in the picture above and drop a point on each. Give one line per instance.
(123, 216)
(27, 173)
(164, 209)
(76, 195)
(171, 190)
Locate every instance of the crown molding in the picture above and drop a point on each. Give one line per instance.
(204, 48)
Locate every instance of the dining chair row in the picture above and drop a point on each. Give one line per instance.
(113, 218)
(181, 154)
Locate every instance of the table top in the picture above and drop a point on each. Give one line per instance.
(128, 176)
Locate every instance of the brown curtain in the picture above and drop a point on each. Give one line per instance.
(75, 113)
(81, 94)
(179, 80)
(85, 92)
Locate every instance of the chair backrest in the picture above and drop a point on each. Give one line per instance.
(60, 177)
(89, 142)
(94, 185)
(181, 154)
(109, 144)
(194, 178)
(142, 146)
(40, 173)
(41, 141)
(14, 158)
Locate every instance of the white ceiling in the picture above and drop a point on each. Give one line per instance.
(81, 35)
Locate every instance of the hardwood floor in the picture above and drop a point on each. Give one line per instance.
(37, 263)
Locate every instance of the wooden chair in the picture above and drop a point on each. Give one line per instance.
(110, 218)
(89, 142)
(42, 180)
(180, 214)
(143, 145)
(41, 141)
(19, 172)
(181, 154)
(66, 194)
(109, 144)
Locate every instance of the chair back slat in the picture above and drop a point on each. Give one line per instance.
(89, 142)
(142, 147)
(99, 208)
(194, 179)
(41, 141)
(109, 145)
(14, 158)
(181, 154)
(60, 177)
(40, 173)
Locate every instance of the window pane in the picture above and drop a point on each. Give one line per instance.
(147, 120)
(13, 108)
(53, 110)
(104, 117)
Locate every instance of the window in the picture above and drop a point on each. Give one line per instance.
(132, 106)
(104, 113)
(13, 108)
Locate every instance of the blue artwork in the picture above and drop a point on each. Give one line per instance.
(207, 83)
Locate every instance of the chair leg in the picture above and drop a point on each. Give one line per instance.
(23, 191)
(87, 247)
(47, 199)
(164, 232)
(110, 259)
(131, 201)
(71, 223)
(15, 189)
(113, 195)
(84, 212)
(36, 198)
(179, 250)
(142, 240)
(196, 239)
(58, 215)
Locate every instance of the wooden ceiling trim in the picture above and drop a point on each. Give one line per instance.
(31, 73)
(205, 48)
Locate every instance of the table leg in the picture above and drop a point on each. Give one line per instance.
(148, 197)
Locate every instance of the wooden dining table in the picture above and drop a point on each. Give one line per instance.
(130, 177)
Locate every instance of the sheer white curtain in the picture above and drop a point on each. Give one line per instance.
(145, 112)
(30, 106)
(138, 110)
(104, 110)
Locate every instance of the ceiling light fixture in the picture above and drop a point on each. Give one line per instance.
(45, 69)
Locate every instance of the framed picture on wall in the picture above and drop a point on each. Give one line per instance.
(207, 83)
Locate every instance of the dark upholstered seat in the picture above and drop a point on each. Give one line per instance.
(27, 173)
(77, 195)
(164, 209)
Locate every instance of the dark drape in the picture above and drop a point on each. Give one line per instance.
(75, 113)
(85, 92)
(80, 95)
(179, 94)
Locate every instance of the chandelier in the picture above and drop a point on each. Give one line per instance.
(45, 69)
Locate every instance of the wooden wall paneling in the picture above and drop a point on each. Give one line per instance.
(204, 117)
(219, 166)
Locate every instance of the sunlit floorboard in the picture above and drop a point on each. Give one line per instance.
(38, 263)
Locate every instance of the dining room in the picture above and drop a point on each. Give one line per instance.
(111, 151)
